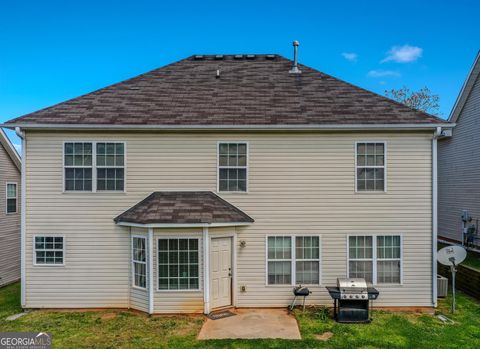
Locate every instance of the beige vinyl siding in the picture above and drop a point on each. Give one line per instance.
(459, 169)
(9, 223)
(299, 183)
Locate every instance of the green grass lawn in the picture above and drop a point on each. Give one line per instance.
(124, 329)
(472, 260)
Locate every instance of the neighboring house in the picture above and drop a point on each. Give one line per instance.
(459, 164)
(10, 166)
(223, 181)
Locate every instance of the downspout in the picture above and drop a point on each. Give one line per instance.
(206, 272)
(150, 271)
(437, 134)
(23, 210)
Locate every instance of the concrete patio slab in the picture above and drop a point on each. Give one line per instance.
(252, 324)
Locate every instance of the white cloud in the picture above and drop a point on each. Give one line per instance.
(383, 73)
(403, 54)
(350, 56)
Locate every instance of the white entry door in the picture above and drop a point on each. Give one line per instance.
(221, 272)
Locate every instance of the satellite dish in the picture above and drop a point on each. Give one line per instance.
(451, 255)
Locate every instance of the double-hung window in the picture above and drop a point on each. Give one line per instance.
(307, 260)
(279, 260)
(232, 167)
(388, 259)
(49, 250)
(377, 259)
(360, 257)
(94, 166)
(293, 260)
(110, 166)
(139, 261)
(78, 166)
(11, 197)
(178, 264)
(370, 166)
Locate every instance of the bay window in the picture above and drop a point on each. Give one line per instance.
(139, 261)
(178, 264)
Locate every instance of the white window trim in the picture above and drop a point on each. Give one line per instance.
(201, 260)
(7, 198)
(241, 167)
(94, 168)
(35, 251)
(293, 260)
(384, 168)
(374, 258)
(133, 261)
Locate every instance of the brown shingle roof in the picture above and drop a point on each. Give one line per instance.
(257, 91)
(183, 208)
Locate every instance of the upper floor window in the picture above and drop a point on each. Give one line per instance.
(110, 166)
(370, 166)
(232, 167)
(11, 197)
(94, 166)
(78, 166)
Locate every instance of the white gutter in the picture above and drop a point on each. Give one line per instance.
(183, 225)
(23, 209)
(437, 134)
(315, 127)
(150, 271)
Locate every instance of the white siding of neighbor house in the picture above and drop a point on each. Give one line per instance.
(299, 183)
(459, 169)
(9, 223)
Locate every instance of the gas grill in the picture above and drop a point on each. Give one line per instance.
(351, 300)
(352, 288)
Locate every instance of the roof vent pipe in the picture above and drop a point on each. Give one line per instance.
(295, 69)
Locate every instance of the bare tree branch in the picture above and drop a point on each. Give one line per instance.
(422, 99)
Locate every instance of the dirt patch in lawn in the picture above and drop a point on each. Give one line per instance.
(108, 316)
(324, 336)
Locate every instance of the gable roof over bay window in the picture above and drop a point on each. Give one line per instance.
(183, 208)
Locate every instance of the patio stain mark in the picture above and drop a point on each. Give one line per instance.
(252, 324)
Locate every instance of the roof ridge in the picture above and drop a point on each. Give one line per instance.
(192, 92)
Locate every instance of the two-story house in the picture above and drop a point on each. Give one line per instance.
(10, 166)
(224, 180)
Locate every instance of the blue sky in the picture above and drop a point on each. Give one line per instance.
(51, 51)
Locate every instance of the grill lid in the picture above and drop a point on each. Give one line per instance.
(352, 284)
